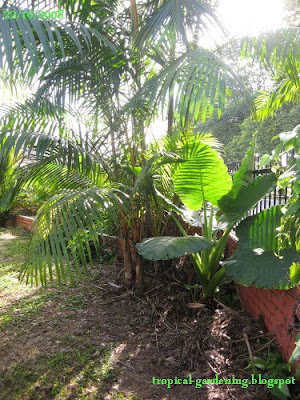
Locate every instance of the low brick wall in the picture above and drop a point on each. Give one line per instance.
(21, 221)
(279, 309)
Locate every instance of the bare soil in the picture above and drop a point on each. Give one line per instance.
(150, 336)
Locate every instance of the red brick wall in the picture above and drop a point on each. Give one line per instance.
(21, 221)
(279, 309)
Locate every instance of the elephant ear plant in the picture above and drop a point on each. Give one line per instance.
(204, 185)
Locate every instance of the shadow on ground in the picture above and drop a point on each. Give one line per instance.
(88, 342)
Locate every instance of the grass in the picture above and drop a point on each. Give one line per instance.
(47, 353)
(72, 372)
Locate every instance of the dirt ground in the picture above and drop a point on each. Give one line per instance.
(99, 341)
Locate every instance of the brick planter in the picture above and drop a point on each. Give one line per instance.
(280, 309)
(21, 221)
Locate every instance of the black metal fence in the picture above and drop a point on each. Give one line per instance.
(278, 196)
(282, 162)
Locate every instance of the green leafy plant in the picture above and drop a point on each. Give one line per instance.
(295, 357)
(272, 368)
(193, 289)
(197, 182)
(101, 178)
(9, 164)
(263, 259)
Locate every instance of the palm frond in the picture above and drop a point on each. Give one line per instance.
(199, 82)
(279, 52)
(66, 227)
(286, 91)
(40, 40)
(272, 46)
(173, 20)
(37, 146)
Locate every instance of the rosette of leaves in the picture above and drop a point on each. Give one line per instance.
(203, 183)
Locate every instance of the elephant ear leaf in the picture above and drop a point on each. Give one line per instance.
(233, 209)
(244, 175)
(167, 247)
(296, 353)
(263, 259)
(201, 175)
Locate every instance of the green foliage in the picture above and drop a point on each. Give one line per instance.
(199, 81)
(168, 247)
(228, 126)
(277, 108)
(295, 357)
(235, 129)
(262, 260)
(278, 51)
(241, 196)
(170, 22)
(296, 353)
(30, 199)
(274, 367)
(289, 178)
(284, 120)
(197, 178)
(33, 41)
(9, 167)
(233, 208)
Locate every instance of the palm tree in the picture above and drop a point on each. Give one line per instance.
(146, 58)
(91, 194)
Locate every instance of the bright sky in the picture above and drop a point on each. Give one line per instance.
(241, 18)
(249, 17)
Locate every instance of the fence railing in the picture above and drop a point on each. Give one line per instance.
(283, 161)
(278, 196)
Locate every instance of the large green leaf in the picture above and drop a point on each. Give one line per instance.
(233, 209)
(201, 175)
(258, 260)
(296, 353)
(167, 247)
(244, 175)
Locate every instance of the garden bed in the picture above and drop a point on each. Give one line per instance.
(99, 341)
(280, 310)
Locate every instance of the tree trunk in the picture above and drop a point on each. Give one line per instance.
(139, 269)
(140, 142)
(171, 97)
(171, 116)
(126, 252)
(138, 120)
(134, 16)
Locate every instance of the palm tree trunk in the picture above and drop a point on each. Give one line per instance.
(171, 116)
(171, 97)
(139, 270)
(126, 251)
(134, 16)
(138, 120)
